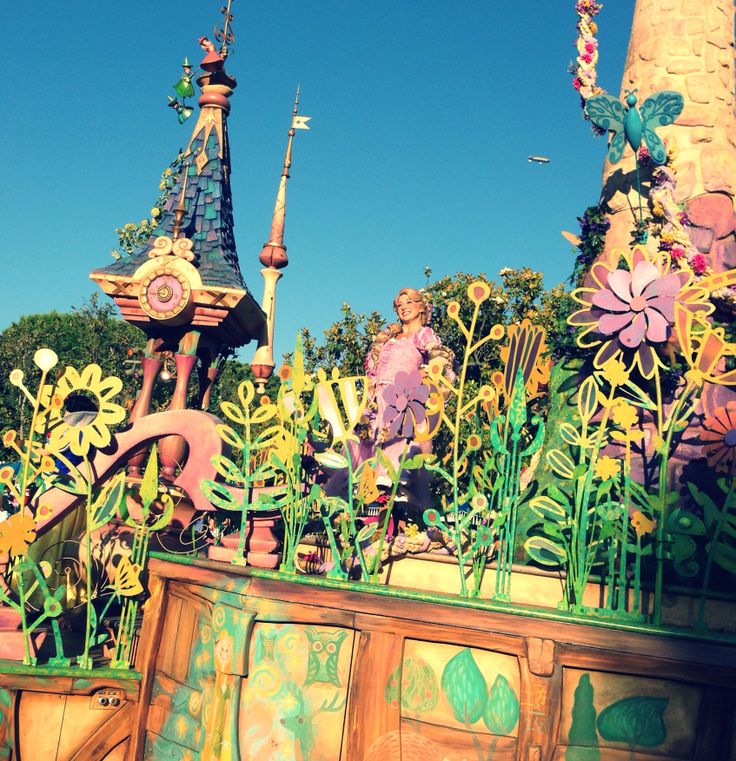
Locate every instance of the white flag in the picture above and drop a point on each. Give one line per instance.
(300, 122)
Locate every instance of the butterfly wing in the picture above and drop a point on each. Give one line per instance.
(658, 110)
(607, 112)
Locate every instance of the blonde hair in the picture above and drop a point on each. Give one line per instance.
(416, 295)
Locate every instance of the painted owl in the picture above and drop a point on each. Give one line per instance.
(324, 650)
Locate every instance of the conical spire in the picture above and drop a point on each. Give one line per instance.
(274, 250)
(195, 223)
(204, 175)
(273, 256)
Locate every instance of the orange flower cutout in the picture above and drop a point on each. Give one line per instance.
(16, 534)
(719, 438)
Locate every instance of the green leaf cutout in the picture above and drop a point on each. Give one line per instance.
(560, 463)
(544, 551)
(149, 485)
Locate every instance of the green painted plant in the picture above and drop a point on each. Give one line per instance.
(636, 721)
(583, 737)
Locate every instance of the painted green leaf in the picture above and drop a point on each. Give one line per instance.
(634, 721)
(230, 436)
(538, 439)
(149, 485)
(546, 508)
(502, 708)
(569, 433)
(331, 460)
(227, 469)
(517, 408)
(108, 501)
(544, 551)
(464, 687)
(495, 435)
(710, 512)
(582, 728)
(219, 495)
(560, 463)
(559, 496)
(233, 412)
(588, 399)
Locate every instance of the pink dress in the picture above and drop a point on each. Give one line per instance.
(400, 354)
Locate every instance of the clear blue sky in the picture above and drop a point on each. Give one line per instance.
(424, 114)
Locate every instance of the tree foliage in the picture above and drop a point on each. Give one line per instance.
(519, 294)
(88, 334)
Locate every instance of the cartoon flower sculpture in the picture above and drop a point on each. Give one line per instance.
(719, 438)
(17, 533)
(631, 311)
(405, 399)
(90, 429)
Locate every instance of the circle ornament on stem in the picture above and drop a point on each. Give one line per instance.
(165, 293)
(719, 438)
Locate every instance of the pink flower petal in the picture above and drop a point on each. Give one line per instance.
(644, 274)
(669, 285)
(657, 326)
(583, 317)
(632, 336)
(613, 323)
(647, 360)
(665, 305)
(620, 283)
(606, 299)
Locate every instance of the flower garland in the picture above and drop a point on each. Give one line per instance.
(584, 70)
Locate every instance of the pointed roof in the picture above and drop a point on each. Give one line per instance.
(208, 219)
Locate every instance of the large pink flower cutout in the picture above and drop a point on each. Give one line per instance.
(631, 312)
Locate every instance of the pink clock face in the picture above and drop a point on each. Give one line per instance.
(165, 293)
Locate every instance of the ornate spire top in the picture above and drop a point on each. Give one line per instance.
(274, 251)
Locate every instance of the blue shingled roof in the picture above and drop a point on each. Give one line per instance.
(208, 221)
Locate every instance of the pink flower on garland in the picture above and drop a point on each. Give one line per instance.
(631, 311)
(699, 264)
(576, 83)
(586, 57)
(590, 46)
(677, 252)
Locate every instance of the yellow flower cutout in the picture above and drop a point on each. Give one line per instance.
(17, 533)
(92, 430)
(642, 525)
(607, 467)
(625, 415)
(614, 372)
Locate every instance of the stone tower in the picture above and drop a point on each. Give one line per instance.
(688, 46)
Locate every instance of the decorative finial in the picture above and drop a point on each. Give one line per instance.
(225, 35)
(181, 207)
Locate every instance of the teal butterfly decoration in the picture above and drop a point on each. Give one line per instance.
(630, 124)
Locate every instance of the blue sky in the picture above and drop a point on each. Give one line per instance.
(423, 115)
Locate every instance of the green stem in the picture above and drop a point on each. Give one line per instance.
(376, 575)
(662, 498)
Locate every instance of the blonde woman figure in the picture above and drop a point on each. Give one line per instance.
(399, 354)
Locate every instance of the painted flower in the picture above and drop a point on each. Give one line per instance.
(17, 533)
(641, 524)
(405, 399)
(630, 312)
(699, 264)
(93, 429)
(607, 467)
(719, 438)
